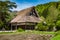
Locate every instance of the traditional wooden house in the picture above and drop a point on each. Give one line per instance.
(25, 19)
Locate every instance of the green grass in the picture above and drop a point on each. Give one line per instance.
(37, 32)
(5, 32)
(56, 37)
(29, 32)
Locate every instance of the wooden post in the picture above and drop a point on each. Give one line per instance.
(16, 26)
(25, 27)
(31, 27)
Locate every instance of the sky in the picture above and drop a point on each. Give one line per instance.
(23, 4)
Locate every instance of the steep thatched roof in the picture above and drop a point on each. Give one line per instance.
(21, 16)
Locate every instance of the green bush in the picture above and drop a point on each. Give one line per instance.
(1, 23)
(41, 27)
(20, 30)
(51, 27)
(58, 25)
(58, 32)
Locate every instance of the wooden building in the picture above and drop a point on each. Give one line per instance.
(25, 19)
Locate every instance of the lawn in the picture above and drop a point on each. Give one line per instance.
(29, 32)
(57, 36)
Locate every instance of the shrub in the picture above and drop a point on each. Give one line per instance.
(41, 27)
(58, 33)
(58, 25)
(7, 27)
(20, 30)
(1, 23)
(51, 27)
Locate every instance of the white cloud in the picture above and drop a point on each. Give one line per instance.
(22, 6)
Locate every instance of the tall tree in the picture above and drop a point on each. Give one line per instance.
(5, 9)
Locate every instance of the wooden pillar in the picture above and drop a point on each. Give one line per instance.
(31, 27)
(11, 27)
(25, 27)
(16, 26)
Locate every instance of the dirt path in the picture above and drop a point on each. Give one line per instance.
(25, 37)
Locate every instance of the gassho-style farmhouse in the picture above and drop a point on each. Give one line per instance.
(25, 19)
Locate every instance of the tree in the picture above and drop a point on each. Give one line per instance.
(49, 12)
(5, 9)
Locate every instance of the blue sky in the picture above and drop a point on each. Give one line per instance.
(23, 4)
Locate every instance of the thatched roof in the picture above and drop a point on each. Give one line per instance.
(21, 16)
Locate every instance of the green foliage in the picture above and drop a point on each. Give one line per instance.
(58, 23)
(5, 7)
(1, 23)
(56, 37)
(51, 26)
(58, 17)
(5, 10)
(41, 27)
(20, 30)
(57, 33)
(50, 12)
